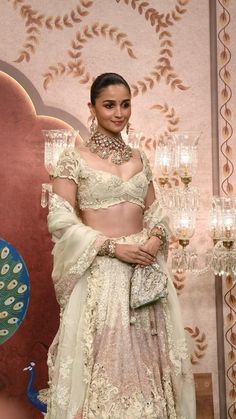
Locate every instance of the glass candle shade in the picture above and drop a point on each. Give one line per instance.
(215, 225)
(164, 158)
(187, 161)
(186, 154)
(228, 226)
(223, 219)
(184, 224)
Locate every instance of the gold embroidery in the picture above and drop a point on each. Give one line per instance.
(68, 166)
(106, 401)
(124, 382)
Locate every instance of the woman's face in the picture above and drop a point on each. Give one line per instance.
(112, 109)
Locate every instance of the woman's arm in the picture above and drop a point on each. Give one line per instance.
(65, 188)
(154, 243)
(150, 197)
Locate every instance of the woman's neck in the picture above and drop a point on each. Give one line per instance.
(108, 134)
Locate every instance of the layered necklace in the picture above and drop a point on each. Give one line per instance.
(105, 146)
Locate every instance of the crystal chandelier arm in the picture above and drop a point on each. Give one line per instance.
(220, 259)
(46, 189)
(185, 259)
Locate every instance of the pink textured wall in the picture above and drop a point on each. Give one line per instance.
(163, 49)
(23, 224)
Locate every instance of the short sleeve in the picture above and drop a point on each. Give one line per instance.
(146, 164)
(68, 166)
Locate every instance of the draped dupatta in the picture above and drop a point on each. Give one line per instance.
(76, 246)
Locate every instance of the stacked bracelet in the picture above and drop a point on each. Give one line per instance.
(108, 248)
(111, 248)
(159, 232)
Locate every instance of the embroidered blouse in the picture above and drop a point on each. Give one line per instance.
(100, 189)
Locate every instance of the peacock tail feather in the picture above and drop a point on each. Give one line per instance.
(14, 290)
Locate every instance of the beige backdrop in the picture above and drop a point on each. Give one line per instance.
(179, 58)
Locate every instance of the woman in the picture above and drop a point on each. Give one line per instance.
(108, 360)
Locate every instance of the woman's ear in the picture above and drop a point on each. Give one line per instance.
(91, 108)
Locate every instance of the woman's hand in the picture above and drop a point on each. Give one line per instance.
(152, 245)
(136, 254)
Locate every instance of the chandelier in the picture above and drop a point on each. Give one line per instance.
(177, 157)
(223, 234)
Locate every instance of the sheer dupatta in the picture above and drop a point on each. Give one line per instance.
(76, 246)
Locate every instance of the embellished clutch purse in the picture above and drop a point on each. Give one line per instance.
(148, 284)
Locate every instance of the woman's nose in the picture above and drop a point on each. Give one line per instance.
(118, 112)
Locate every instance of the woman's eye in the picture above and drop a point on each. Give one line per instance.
(126, 105)
(108, 106)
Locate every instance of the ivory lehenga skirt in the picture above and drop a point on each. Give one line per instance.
(116, 363)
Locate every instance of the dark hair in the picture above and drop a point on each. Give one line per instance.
(104, 80)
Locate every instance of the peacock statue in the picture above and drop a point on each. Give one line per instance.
(37, 398)
(14, 290)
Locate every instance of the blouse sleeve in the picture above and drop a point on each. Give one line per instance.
(68, 166)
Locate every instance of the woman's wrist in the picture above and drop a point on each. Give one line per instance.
(108, 248)
(160, 233)
(155, 243)
(155, 239)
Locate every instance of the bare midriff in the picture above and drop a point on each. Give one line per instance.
(116, 221)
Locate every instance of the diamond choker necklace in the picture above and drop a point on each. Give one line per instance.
(105, 146)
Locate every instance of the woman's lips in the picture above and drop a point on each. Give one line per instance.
(118, 122)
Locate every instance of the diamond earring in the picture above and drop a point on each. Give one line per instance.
(127, 128)
(93, 126)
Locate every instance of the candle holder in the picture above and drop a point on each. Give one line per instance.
(222, 229)
(186, 155)
(176, 154)
(183, 226)
(221, 258)
(164, 159)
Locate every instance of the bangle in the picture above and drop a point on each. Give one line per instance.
(159, 236)
(108, 248)
(111, 249)
(159, 232)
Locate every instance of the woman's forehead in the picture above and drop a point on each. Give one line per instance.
(114, 92)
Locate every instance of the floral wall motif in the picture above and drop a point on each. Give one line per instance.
(163, 50)
(226, 14)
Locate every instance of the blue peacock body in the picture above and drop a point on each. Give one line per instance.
(14, 290)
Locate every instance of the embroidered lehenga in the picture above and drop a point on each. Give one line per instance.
(108, 361)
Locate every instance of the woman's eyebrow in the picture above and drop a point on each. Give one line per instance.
(114, 101)
(109, 100)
